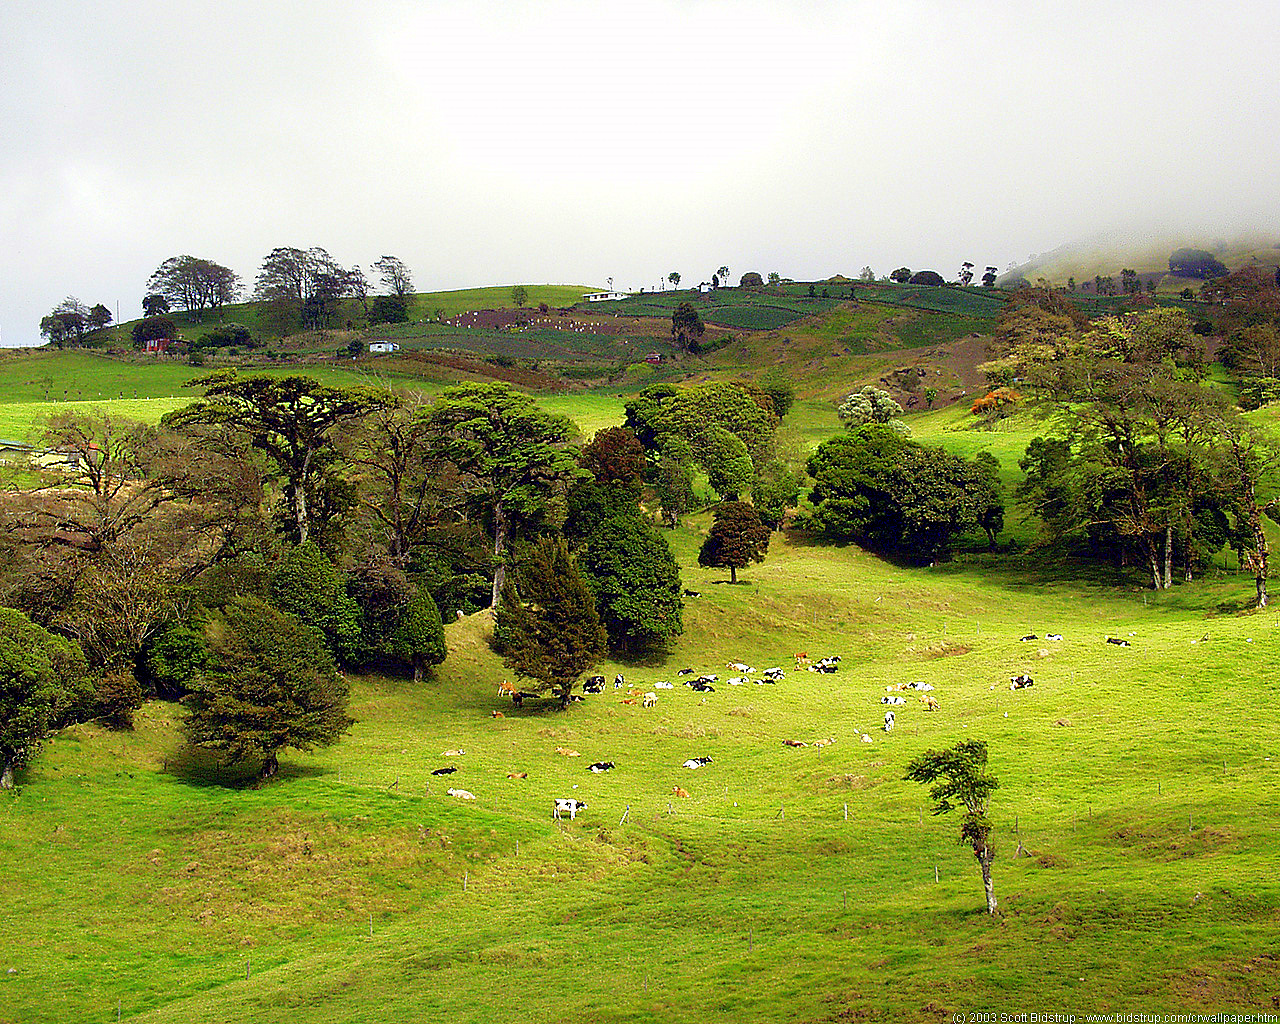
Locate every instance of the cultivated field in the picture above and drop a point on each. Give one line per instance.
(793, 883)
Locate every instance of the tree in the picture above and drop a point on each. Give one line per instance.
(753, 280)
(308, 586)
(270, 685)
(99, 317)
(723, 273)
(662, 411)
(388, 309)
(546, 624)
(989, 277)
(1197, 263)
(686, 325)
(512, 457)
(870, 404)
(636, 583)
(724, 457)
(775, 279)
(774, 490)
(960, 777)
(418, 637)
(293, 420)
(194, 284)
(902, 275)
(43, 678)
(519, 295)
(966, 273)
(866, 275)
(1129, 282)
(394, 276)
(738, 537)
(674, 480)
(302, 285)
(153, 328)
(614, 456)
(67, 323)
(928, 277)
(154, 305)
(674, 278)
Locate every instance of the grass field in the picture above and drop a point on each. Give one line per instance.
(791, 884)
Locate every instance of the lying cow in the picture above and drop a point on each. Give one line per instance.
(736, 680)
(1117, 641)
(773, 674)
(1053, 636)
(893, 700)
(461, 794)
(685, 672)
(560, 806)
(663, 685)
(601, 766)
(444, 771)
(930, 703)
(696, 762)
(1029, 636)
(1020, 682)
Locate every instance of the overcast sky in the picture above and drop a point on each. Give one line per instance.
(498, 141)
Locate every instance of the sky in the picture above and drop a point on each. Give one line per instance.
(511, 141)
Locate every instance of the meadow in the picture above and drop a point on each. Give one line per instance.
(1134, 820)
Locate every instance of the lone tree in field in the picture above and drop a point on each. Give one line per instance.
(686, 325)
(960, 774)
(519, 295)
(674, 278)
(547, 623)
(270, 684)
(42, 678)
(738, 537)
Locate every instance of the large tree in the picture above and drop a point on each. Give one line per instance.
(270, 684)
(738, 537)
(67, 323)
(43, 677)
(960, 777)
(547, 625)
(307, 585)
(394, 276)
(686, 325)
(194, 284)
(636, 582)
(306, 284)
(293, 420)
(512, 456)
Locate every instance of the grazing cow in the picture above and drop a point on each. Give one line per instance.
(685, 672)
(1117, 641)
(701, 687)
(1020, 682)
(594, 684)
(923, 687)
(679, 792)
(517, 775)
(601, 766)
(1053, 636)
(663, 685)
(824, 666)
(566, 752)
(560, 806)
(696, 762)
(930, 703)
(506, 688)
(888, 721)
(1029, 636)
(619, 682)
(461, 794)
(692, 593)
(736, 680)
(893, 700)
(650, 699)
(444, 771)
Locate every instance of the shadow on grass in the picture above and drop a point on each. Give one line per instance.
(199, 767)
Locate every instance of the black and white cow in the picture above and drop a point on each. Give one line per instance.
(1020, 682)
(594, 684)
(888, 721)
(601, 766)
(697, 762)
(560, 806)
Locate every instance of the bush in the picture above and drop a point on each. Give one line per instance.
(928, 277)
(119, 695)
(388, 309)
(224, 336)
(751, 280)
(153, 328)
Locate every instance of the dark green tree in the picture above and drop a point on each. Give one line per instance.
(902, 275)
(153, 328)
(519, 295)
(154, 305)
(636, 582)
(418, 637)
(1197, 263)
(173, 658)
(752, 280)
(774, 490)
(686, 325)
(270, 684)
(738, 537)
(928, 277)
(293, 420)
(547, 625)
(307, 585)
(724, 457)
(673, 480)
(388, 309)
(960, 777)
(512, 456)
(43, 678)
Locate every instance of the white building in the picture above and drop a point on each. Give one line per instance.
(605, 296)
(383, 346)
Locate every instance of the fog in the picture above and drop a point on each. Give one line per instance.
(502, 142)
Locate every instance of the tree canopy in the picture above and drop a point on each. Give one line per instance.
(636, 583)
(737, 538)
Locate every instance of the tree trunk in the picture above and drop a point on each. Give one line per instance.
(733, 574)
(269, 766)
(985, 856)
(300, 501)
(1153, 562)
(6, 778)
(499, 552)
(1168, 556)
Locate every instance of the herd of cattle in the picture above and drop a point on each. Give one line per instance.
(895, 696)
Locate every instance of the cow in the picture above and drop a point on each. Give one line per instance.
(594, 684)
(701, 687)
(444, 771)
(663, 685)
(736, 680)
(692, 593)
(888, 721)
(506, 688)
(1029, 636)
(708, 679)
(930, 703)
(517, 775)
(893, 700)
(685, 672)
(866, 738)
(1117, 641)
(461, 794)
(600, 766)
(560, 805)
(696, 762)
(1020, 682)
(679, 792)
(566, 752)
(737, 666)
(650, 699)
(774, 674)
(618, 681)
(923, 687)
(794, 743)
(453, 753)
(1053, 636)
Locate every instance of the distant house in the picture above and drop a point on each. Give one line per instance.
(383, 346)
(705, 287)
(18, 452)
(158, 346)
(605, 296)
(653, 358)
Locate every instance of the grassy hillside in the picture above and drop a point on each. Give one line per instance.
(354, 888)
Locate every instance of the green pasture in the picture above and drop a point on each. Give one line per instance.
(1140, 782)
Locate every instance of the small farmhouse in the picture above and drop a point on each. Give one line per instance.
(383, 346)
(605, 296)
